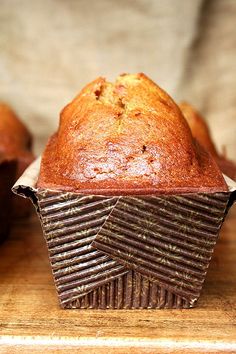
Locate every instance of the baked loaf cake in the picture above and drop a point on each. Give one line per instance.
(202, 133)
(15, 147)
(127, 137)
(14, 136)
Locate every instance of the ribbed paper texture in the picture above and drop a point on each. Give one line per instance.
(131, 291)
(130, 252)
(70, 224)
(167, 239)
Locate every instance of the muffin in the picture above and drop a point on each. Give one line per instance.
(202, 133)
(15, 156)
(130, 204)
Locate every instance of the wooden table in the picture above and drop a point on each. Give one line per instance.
(31, 320)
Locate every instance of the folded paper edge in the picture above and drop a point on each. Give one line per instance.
(28, 179)
(230, 183)
(25, 186)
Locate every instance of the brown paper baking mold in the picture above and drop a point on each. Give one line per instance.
(7, 178)
(131, 251)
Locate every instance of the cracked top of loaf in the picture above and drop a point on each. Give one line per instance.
(126, 137)
(15, 139)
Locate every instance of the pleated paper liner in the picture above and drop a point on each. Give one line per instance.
(7, 178)
(130, 291)
(167, 239)
(127, 252)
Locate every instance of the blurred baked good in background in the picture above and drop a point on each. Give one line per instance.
(15, 155)
(201, 132)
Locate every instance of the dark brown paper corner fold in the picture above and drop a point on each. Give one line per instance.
(167, 239)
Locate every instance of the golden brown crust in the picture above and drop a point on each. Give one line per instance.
(14, 136)
(15, 147)
(126, 137)
(202, 133)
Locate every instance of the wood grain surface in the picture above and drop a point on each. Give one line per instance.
(31, 320)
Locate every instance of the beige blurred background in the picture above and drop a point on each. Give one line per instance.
(49, 49)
